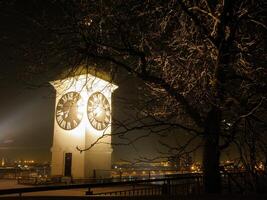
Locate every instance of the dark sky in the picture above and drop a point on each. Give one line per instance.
(26, 122)
(26, 113)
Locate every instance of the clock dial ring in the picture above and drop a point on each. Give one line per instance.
(68, 112)
(98, 111)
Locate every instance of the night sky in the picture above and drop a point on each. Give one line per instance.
(27, 113)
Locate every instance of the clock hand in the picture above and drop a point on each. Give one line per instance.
(65, 114)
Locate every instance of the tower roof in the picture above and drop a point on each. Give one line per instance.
(93, 70)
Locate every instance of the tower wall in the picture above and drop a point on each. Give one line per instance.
(97, 159)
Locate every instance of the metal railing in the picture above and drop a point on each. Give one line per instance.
(182, 184)
(179, 184)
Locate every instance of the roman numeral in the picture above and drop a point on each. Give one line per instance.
(63, 124)
(59, 119)
(60, 112)
(94, 122)
(68, 125)
(60, 104)
(70, 96)
(99, 125)
(74, 122)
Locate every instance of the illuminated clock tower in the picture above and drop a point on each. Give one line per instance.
(82, 116)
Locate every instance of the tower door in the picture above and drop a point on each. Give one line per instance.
(68, 162)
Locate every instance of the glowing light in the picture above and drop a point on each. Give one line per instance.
(3, 162)
(165, 164)
(260, 166)
(83, 133)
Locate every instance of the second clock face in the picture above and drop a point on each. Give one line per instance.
(68, 112)
(98, 111)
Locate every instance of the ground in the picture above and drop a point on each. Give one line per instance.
(79, 194)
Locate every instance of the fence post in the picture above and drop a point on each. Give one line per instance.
(229, 183)
(198, 184)
(20, 196)
(89, 192)
(166, 188)
(133, 189)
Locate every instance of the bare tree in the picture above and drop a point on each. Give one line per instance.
(251, 144)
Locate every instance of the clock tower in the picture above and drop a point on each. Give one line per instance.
(82, 116)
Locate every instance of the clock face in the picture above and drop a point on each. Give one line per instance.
(98, 111)
(68, 110)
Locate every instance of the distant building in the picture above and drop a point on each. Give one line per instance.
(3, 162)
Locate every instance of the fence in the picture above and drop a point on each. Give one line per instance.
(244, 182)
(175, 185)
(182, 185)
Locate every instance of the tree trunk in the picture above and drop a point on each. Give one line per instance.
(211, 154)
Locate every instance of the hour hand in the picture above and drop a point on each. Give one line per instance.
(66, 114)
